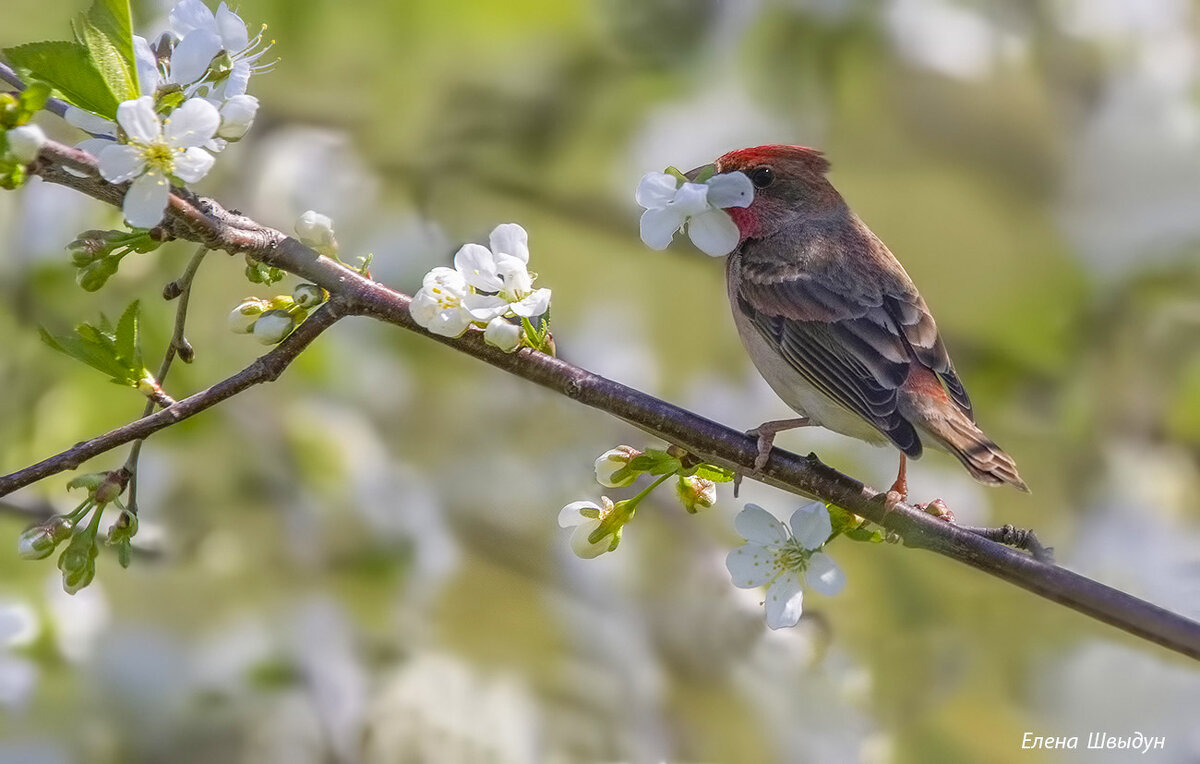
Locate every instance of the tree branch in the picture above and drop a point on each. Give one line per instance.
(267, 368)
(206, 222)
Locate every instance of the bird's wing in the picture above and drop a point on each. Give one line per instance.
(855, 346)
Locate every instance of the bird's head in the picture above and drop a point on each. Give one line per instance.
(789, 188)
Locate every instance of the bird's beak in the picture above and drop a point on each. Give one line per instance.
(691, 174)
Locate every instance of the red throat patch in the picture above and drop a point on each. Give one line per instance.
(746, 220)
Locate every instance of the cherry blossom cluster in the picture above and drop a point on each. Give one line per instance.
(490, 288)
(193, 103)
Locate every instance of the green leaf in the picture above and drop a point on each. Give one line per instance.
(113, 19)
(128, 336)
(100, 348)
(107, 58)
(32, 99)
(714, 473)
(69, 70)
(863, 534)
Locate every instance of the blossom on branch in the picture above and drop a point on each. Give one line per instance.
(784, 559)
(155, 153)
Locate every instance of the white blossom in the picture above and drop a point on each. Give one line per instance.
(503, 334)
(203, 36)
(237, 115)
(784, 559)
(316, 231)
(243, 317)
(273, 326)
(155, 153)
(585, 517)
(438, 306)
(25, 142)
(503, 270)
(612, 461)
(671, 205)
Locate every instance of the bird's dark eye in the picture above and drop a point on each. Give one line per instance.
(762, 177)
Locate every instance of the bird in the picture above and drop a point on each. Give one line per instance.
(837, 328)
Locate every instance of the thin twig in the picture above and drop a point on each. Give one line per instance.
(204, 221)
(181, 288)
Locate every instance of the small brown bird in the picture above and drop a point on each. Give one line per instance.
(837, 327)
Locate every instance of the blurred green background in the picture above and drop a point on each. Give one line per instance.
(362, 562)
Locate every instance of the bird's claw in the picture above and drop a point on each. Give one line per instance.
(766, 439)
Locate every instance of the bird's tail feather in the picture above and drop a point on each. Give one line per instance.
(987, 462)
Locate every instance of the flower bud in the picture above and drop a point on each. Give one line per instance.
(612, 467)
(243, 317)
(112, 486)
(316, 230)
(696, 493)
(272, 326)
(308, 295)
(503, 334)
(237, 115)
(36, 543)
(78, 563)
(25, 142)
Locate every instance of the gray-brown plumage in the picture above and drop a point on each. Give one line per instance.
(836, 326)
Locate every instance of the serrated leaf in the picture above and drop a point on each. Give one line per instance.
(97, 348)
(114, 19)
(128, 335)
(107, 59)
(714, 473)
(68, 69)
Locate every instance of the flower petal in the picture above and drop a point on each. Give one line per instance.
(477, 265)
(483, 307)
(570, 516)
(656, 190)
(510, 239)
(119, 162)
(236, 81)
(659, 225)
(811, 525)
(824, 575)
(534, 304)
(446, 279)
(89, 122)
(714, 232)
(193, 55)
(192, 124)
(750, 565)
(187, 15)
(423, 308)
(232, 29)
(193, 164)
(147, 66)
(759, 526)
(584, 548)
(503, 334)
(450, 322)
(691, 199)
(138, 120)
(784, 602)
(731, 189)
(145, 200)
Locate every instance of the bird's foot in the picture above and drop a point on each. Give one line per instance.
(938, 509)
(766, 439)
(891, 500)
